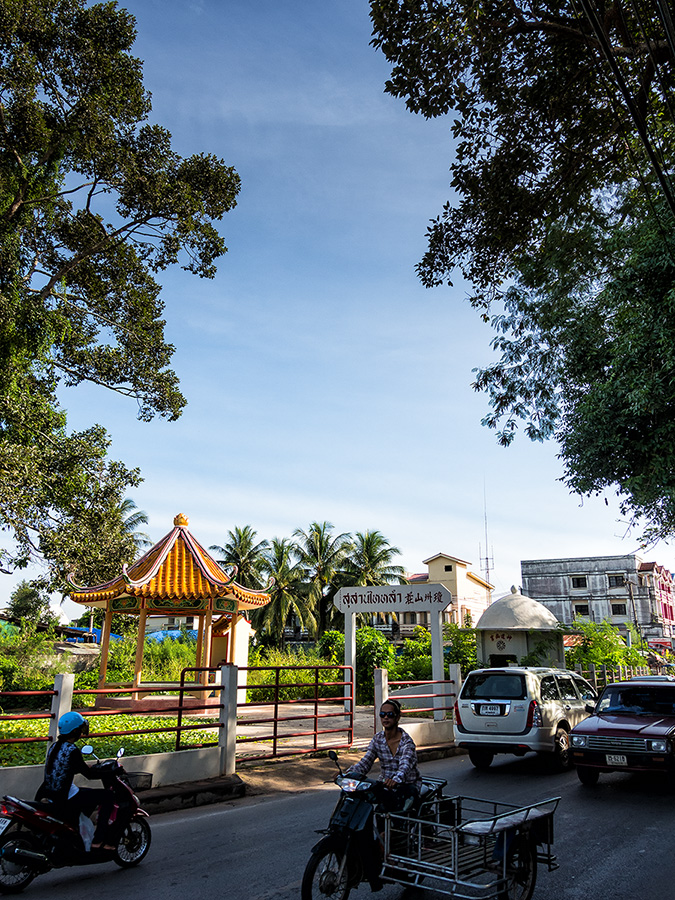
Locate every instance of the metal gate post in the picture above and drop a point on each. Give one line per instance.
(62, 702)
(227, 734)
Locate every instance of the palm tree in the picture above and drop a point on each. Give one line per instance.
(370, 561)
(132, 519)
(242, 551)
(370, 564)
(322, 557)
(287, 592)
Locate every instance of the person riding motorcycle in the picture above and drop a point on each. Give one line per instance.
(397, 754)
(64, 761)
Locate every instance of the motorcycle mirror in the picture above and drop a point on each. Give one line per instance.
(87, 748)
(120, 752)
(332, 755)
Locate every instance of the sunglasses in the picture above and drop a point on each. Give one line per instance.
(388, 715)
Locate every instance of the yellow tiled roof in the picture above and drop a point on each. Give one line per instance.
(177, 569)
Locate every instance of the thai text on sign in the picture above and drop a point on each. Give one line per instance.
(393, 598)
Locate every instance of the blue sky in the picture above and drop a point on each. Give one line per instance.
(323, 381)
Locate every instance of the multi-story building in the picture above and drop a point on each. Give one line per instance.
(620, 589)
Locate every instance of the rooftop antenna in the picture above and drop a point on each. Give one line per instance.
(486, 562)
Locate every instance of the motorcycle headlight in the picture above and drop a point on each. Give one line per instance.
(351, 784)
(658, 746)
(579, 740)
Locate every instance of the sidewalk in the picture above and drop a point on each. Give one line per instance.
(282, 774)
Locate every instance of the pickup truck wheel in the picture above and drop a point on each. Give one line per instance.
(587, 775)
(561, 749)
(481, 759)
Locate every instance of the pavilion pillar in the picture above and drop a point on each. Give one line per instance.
(200, 644)
(208, 640)
(140, 641)
(105, 645)
(233, 636)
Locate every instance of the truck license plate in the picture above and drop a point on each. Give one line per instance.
(3, 824)
(614, 759)
(489, 709)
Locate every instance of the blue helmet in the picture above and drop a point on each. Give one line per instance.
(70, 722)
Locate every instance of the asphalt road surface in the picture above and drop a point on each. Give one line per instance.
(613, 842)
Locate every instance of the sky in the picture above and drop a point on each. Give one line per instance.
(324, 383)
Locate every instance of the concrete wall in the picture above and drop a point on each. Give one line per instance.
(166, 768)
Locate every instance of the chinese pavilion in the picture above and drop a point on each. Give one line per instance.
(177, 577)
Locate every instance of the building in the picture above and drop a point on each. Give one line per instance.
(514, 627)
(471, 594)
(619, 589)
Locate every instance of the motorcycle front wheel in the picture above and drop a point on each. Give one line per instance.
(133, 844)
(326, 876)
(15, 875)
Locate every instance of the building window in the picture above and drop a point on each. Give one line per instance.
(618, 609)
(615, 580)
(581, 609)
(578, 582)
(448, 568)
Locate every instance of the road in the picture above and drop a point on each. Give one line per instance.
(613, 842)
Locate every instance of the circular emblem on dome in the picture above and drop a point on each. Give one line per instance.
(501, 645)
(180, 519)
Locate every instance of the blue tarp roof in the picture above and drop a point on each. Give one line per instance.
(171, 634)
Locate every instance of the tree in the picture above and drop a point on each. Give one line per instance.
(242, 550)
(288, 594)
(132, 519)
(558, 219)
(323, 557)
(30, 601)
(369, 562)
(93, 203)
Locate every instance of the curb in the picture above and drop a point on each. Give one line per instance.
(287, 774)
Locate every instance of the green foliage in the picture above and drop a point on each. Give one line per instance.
(323, 557)
(602, 645)
(94, 204)
(105, 747)
(461, 647)
(30, 601)
(242, 551)
(558, 217)
(289, 595)
(28, 663)
(295, 684)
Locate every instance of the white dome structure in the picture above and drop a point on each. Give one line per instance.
(517, 612)
(518, 630)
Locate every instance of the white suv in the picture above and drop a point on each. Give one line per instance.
(518, 709)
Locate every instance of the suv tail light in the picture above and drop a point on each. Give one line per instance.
(534, 719)
(458, 718)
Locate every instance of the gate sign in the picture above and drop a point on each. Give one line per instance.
(393, 598)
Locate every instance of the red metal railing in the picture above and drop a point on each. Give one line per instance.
(295, 742)
(25, 716)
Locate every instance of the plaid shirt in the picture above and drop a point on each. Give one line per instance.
(401, 766)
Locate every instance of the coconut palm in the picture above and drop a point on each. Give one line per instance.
(242, 551)
(370, 561)
(322, 556)
(132, 519)
(288, 594)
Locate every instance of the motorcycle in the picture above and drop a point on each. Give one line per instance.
(33, 839)
(352, 848)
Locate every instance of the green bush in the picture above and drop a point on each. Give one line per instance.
(291, 680)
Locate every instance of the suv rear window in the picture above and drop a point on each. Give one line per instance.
(494, 686)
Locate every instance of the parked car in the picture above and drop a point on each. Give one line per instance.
(632, 729)
(519, 709)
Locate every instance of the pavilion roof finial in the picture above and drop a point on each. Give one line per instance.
(181, 521)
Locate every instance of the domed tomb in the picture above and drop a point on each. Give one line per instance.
(515, 626)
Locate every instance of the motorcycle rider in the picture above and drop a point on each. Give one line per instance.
(64, 761)
(397, 754)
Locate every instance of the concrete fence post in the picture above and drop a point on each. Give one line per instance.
(227, 733)
(62, 702)
(455, 676)
(381, 682)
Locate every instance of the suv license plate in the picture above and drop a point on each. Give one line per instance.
(3, 824)
(490, 709)
(614, 759)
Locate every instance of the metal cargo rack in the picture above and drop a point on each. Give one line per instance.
(460, 847)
